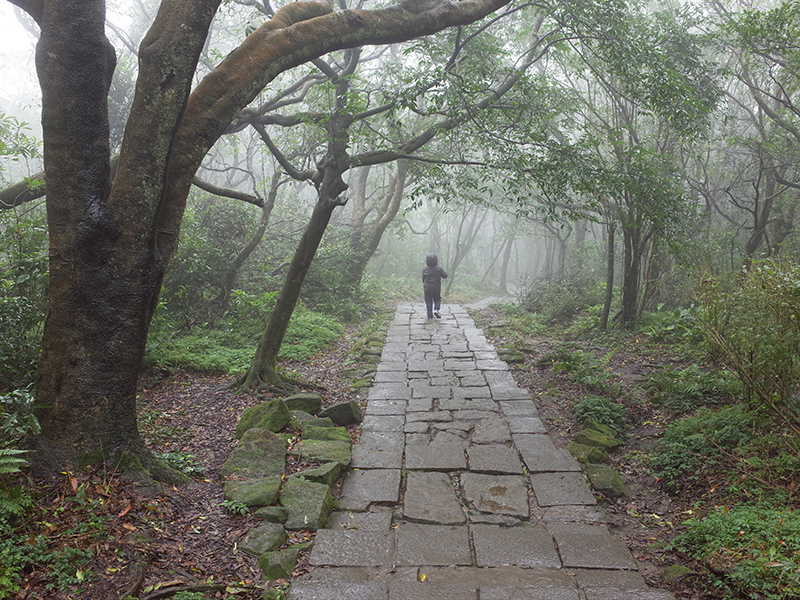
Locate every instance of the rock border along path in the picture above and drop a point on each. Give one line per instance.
(456, 492)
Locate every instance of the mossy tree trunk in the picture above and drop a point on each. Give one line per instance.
(111, 240)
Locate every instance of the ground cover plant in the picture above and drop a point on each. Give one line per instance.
(711, 474)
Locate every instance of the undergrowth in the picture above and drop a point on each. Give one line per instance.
(754, 551)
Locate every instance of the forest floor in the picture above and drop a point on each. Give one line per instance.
(150, 544)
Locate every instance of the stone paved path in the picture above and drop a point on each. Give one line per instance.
(456, 491)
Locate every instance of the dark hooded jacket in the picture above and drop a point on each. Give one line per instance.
(432, 275)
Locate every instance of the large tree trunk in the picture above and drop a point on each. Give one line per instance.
(110, 243)
(104, 273)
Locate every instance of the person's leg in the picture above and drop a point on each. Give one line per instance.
(429, 303)
(437, 304)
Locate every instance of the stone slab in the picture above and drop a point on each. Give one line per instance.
(386, 407)
(420, 405)
(346, 548)
(494, 459)
(418, 590)
(518, 408)
(497, 494)
(435, 458)
(391, 376)
(617, 585)
(379, 450)
(541, 455)
(491, 431)
(431, 497)
(523, 546)
(526, 425)
(383, 423)
(377, 519)
(363, 487)
(586, 546)
(389, 391)
(420, 545)
(552, 489)
(457, 403)
(314, 590)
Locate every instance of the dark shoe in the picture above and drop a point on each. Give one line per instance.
(436, 314)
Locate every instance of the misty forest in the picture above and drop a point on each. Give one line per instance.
(208, 206)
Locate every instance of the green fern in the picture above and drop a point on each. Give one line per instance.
(11, 460)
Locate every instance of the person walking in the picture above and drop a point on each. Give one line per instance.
(432, 276)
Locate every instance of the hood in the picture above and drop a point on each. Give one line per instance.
(431, 260)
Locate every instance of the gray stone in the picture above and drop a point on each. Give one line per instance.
(425, 590)
(494, 459)
(278, 564)
(308, 504)
(568, 513)
(518, 408)
(323, 451)
(386, 407)
(310, 403)
(390, 391)
(617, 585)
(263, 538)
(271, 514)
(499, 494)
(383, 423)
(271, 415)
(459, 404)
(590, 547)
(363, 487)
(391, 376)
(262, 491)
(434, 416)
(526, 425)
(379, 450)
(431, 497)
(421, 427)
(327, 473)
(606, 481)
(259, 453)
(553, 489)
(423, 545)
(378, 518)
(301, 416)
(360, 548)
(523, 546)
(491, 431)
(344, 413)
(507, 391)
(420, 404)
(473, 393)
(455, 439)
(541, 455)
(435, 458)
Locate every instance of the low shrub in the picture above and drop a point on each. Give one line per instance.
(690, 444)
(601, 410)
(683, 390)
(755, 550)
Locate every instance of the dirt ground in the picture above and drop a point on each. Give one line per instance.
(182, 538)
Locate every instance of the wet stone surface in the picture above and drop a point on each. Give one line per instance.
(457, 492)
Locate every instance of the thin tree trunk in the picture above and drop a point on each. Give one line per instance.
(609, 295)
(222, 300)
